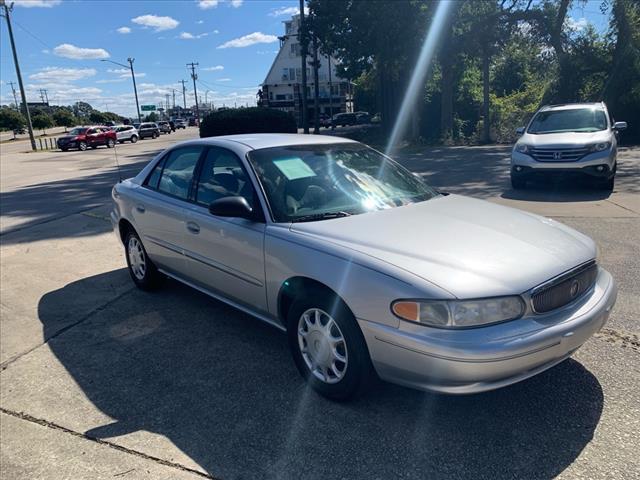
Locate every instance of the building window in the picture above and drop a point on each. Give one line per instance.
(285, 74)
(335, 90)
(295, 49)
(270, 95)
(287, 28)
(292, 74)
(281, 97)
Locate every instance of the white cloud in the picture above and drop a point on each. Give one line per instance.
(123, 30)
(118, 70)
(216, 31)
(36, 3)
(45, 50)
(156, 22)
(200, 22)
(207, 4)
(111, 80)
(223, 80)
(248, 40)
(287, 11)
(236, 3)
(78, 53)
(213, 69)
(57, 74)
(186, 36)
(576, 25)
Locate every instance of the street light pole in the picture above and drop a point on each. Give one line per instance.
(133, 77)
(18, 74)
(303, 53)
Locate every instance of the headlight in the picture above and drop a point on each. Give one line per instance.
(599, 147)
(522, 148)
(459, 313)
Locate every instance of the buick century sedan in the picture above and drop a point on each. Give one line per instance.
(369, 271)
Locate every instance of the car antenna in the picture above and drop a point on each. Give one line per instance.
(115, 153)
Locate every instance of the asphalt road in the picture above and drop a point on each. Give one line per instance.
(101, 380)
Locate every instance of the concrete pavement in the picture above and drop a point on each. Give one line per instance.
(101, 380)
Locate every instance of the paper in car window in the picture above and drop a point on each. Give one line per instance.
(294, 168)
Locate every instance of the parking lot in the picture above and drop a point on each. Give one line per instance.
(101, 380)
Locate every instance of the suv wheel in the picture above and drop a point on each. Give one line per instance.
(134, 138)
(110, 143)
(82, 146)
(154, 135)
(328, 346)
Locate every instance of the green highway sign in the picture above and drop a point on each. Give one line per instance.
(147, 108)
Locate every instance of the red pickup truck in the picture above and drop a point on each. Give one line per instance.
(85, 137)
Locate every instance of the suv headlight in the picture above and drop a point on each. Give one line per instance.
(599, 147)
(459, 313)
(522, 148)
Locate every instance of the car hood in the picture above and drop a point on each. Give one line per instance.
(468, 247)
(565, 139)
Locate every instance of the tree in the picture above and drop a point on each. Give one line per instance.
(42, 121)
(64, 118)
(11, 120)
(82, 110)
(152, 117)
(98, 117)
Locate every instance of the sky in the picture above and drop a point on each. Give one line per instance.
(61, 45)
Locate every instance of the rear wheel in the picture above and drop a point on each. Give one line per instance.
(328, 346)
(134, 139)
(154, 135)
(142, 270)
(110, 143)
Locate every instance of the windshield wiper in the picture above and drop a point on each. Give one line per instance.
(320, 216)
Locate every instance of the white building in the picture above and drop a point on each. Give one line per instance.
(282, 85)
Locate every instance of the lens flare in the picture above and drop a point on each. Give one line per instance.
(440, 21)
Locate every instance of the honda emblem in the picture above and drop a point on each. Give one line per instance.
(557, 155)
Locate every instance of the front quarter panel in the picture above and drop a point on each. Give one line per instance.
(367, 290)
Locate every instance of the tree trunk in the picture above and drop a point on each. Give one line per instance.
(486, 123)
(446, 100)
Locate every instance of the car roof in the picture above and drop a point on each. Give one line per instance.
(571, 106)
(267, 140)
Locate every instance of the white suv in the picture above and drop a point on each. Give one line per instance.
(574, 139)
(127, 133)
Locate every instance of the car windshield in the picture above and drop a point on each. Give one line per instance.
(324, 181)
(573, 120)
(78, 131)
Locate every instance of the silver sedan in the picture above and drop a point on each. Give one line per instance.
(368, 270)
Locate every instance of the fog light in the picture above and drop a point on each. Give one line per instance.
(518, 168)
(600, 168)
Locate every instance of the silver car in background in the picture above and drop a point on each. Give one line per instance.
(126, 133)
(367, 269)
(577, 139)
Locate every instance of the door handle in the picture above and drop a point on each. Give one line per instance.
(140, 208)
(193, 227)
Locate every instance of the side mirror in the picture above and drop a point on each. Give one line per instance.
(520, 130)
(235, 206)
(619, 126)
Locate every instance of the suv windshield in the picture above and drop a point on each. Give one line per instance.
(573, 120)
(325, 180)
(78, 131)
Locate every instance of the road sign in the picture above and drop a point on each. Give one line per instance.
(148, 108)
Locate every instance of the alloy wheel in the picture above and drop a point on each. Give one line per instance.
(137, 259)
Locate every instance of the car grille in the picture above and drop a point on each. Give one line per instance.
(564, 290)
(559, 154)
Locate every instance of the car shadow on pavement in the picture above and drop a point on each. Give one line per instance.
(222, 387)
(558, 191)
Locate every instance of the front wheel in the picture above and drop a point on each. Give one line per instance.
(154, 136)
(82, 146)
(142, 270)
(111, 143)
(328, 346)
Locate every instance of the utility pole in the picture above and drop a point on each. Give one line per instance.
(15, 99)
(303, 52)
(330, 88)
(194, 76)
(184, 94)
(173, 90)
(316, 87)
(133, 77)
(166, 96)
(7, 10)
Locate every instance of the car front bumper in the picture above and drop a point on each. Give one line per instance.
(485, 358)
(596, 164)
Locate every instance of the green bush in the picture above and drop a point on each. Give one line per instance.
(247, 120)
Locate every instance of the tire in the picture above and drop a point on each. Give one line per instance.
(142, 270)
(134, 138)
(353, 375)
(154, 135)
(82, 146)
(110, 143)
(518, 183)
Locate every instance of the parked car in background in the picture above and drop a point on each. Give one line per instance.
(576, 139)
(377, 118)
(164, 127)
(309, 233)
(83, 138)
(363, 117)
(192, 122)
(325, 120)
(127, 133)
(344, 119)
(180, 123)
(148, 130)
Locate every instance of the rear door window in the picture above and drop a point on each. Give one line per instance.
(177, 174)
(222, 175)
